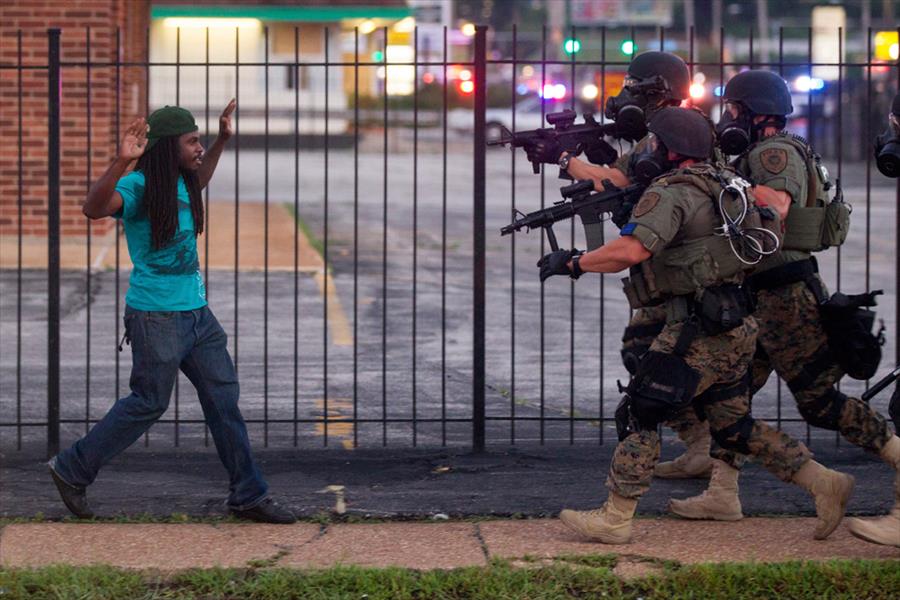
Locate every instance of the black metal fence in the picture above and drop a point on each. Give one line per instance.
(397, 314)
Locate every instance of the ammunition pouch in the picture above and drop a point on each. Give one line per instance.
(848, 325)
(663, 385)
(718, 309)
(813, 229)
(680, 270)
(816, 222)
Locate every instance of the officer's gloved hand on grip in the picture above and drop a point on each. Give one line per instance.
(547, 151)
(556, 263)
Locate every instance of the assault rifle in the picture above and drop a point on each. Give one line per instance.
(586, 137)
(579, 199)
(894, 408)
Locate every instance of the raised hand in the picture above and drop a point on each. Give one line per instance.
(226, 128)
(135, 140)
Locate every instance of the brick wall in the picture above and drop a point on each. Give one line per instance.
(89, 97)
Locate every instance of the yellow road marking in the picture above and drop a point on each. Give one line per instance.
(338, 408)
(341, 334)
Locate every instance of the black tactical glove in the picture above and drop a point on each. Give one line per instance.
(556, 263)
(547, 150)
(622, 214)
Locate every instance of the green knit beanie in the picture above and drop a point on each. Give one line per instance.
(169, 120)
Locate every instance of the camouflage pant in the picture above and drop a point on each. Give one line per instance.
(793, 344)
(720, 360)
(644, 326)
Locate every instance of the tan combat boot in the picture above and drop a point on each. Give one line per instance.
(884, 530)
(830, 489)
(609, 524)
(695, 462)
(720, 501)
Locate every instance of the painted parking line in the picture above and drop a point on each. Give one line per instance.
(338, 408)
(341, 334)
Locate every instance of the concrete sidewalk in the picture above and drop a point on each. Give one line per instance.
(418, 545)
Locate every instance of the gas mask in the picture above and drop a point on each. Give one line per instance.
(651, 161)
(631, 108)
(735, 134)
(887, 149)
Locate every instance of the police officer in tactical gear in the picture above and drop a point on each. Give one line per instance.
(695, 232)
(792, 305)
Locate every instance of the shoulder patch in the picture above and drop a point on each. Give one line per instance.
(774, 160)
(648, 202)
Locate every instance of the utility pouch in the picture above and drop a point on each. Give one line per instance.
(848, 324)
(663, 385)
(639, 287)
(804, 228)
(836, 224)
(722, 308)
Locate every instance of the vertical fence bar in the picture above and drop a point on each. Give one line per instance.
(897, 248)
(147, 113)
(543, 234)
(177, 103)
(479, 168)
(512, 251)
(868, 154)
(384, 249)
(415, 199)
(21, 189)
(118, 221)
(575, 44)
(206, 193)
(266, 244)
(325, 276)
(53, 339)
(237, 181)
(781, 73)
(87, 186)
(811, 136)
(602, 284)
(840, 159)
(296, 69)
(355, 237)
(444, 251)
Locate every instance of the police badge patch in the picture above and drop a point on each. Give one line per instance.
(774, 160)
(648, 202)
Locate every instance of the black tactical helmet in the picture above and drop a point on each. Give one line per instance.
(668, 66)
(762, 92)
(684, 131)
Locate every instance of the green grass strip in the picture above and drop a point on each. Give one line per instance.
(307, 231)
(568, 577)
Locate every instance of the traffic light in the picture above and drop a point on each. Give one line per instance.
(572, 46)
(628, 47)
(377, 56)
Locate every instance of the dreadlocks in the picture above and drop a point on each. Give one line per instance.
(161, 170)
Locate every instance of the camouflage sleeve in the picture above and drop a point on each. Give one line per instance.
(623, 163)
(658, 216)
(779, 166)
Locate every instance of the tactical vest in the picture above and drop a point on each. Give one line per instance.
(690, 265)
(816, 222)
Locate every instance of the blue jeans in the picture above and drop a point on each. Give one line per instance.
(161, 344)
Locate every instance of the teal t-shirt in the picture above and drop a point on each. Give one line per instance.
(168, 278)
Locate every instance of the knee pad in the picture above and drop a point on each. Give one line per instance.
(735, 437)
(663, 385)
(825, 411)
(894, 409)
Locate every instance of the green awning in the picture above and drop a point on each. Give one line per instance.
(318, 14)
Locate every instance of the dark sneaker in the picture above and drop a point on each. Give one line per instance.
(73, 496)
(267, 511)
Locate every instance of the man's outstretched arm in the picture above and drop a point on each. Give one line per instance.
(103, 200)
(211, 158)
